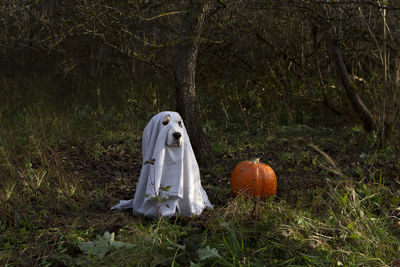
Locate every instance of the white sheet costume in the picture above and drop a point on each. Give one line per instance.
(169, 182)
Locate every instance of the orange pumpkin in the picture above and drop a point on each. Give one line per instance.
(253, 178)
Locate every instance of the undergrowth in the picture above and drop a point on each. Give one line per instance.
(61, 170)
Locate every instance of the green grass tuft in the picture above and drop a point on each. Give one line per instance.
(62, 169)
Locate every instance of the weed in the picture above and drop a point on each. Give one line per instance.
(62, 168)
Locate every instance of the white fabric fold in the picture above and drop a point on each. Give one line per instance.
(169, 182)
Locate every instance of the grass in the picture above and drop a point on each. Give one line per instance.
(63, 168)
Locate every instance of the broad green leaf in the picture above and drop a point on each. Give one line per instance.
(350, 225)
(354, 236)
(344, 199)
(152, 161)
(165, 188)
(207, 253)
(199, 264)
(107, 236)
(119, 245)
(99, 247)
(362, 214)
(102, 245)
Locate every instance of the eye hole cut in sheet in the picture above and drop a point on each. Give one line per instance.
(169, 182)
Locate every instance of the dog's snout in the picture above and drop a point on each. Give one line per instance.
(176, 135)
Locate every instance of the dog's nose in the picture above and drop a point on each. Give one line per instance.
(176, 135)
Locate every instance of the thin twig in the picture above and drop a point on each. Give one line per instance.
(336, 170)
(6, 214)
(327, 157)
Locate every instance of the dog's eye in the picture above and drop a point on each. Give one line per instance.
(180, 123)
(166, 119)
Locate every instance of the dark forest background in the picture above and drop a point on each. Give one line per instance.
(310, 87)
(278, 57)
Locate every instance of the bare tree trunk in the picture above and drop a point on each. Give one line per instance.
(185, 74)
(342, 74)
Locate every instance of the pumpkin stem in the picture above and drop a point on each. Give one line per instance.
(256, 160)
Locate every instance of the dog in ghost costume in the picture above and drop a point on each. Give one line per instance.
(169, 182)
